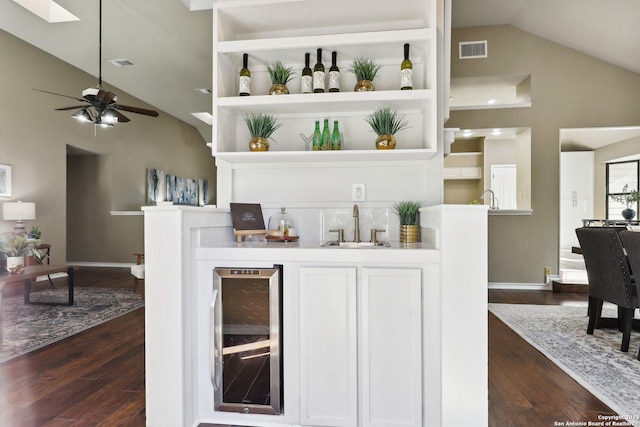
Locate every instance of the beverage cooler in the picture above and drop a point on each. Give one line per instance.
(246, 340)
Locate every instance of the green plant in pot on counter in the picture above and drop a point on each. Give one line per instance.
(261, 127)
(365, 70)
(386, 122)
(627, 197)
(407, 212)
(280, 76)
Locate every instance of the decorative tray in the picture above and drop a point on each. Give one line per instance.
(282, 238)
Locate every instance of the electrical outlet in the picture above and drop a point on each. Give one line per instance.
(357, 193)
(547, 273)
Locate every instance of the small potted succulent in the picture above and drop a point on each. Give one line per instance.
(365, 70)
(280, 76)
(386, 122)
(261, 127)
(627, 197)
(35, 232)
(407, 212)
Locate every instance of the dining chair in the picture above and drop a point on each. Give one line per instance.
(609, 277)
(631, 243)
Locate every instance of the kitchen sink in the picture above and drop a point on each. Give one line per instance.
(356, 245)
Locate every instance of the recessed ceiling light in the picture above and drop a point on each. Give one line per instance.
(48, 10)
(205, 117)
(204, 90)
(122, 62)
(496, 132)
(491, 101)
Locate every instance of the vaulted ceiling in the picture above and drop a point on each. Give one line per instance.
(169, 41)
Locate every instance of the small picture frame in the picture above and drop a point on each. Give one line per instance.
(247, 220)
(5, 180)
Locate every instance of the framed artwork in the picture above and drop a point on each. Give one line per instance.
(5, 181)
(156, 186)
(203, 192)
(182, 191)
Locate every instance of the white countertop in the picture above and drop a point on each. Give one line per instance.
(421, 252)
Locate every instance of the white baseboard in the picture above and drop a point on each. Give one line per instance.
(102, 264)
(521, 286)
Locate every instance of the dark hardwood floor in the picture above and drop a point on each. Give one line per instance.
(96, 378)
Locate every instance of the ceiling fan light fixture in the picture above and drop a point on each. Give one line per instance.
(109, 117)
(82, 115)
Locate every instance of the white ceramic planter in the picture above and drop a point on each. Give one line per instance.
(14, 262)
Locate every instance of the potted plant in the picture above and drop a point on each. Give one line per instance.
(261, 127)
(35, 232)
(407, 212)
(386, 122)
(628, 197)
(280, 76)
(15, 247)
(365, 70)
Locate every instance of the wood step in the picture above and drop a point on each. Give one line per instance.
(568, 287)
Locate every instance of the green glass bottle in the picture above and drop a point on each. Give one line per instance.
(326, 136)
(245, 78)
(318, 74)
(406, 71)
(335, 137)
(317, 138)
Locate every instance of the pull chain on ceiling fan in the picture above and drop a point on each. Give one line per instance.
(99, 106)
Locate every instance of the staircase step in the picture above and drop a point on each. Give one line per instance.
(570, 287)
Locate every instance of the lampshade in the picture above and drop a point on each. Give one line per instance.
(16, 211)
(82, 115)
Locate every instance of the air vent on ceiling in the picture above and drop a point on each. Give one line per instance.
(470, 50)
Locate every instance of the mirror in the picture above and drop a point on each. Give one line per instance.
(490, 159)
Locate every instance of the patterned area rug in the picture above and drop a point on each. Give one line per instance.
(595, 361)
(30, 327)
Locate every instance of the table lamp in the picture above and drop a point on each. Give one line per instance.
(19, 212)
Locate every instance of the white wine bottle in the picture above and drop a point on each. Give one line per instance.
(306, 80)
(244, 83)
(334, 74)
(318, 74)
(406, 71)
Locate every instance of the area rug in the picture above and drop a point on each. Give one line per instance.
(30, 327)
(594, 361)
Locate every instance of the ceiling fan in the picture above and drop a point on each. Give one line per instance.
(99, 106)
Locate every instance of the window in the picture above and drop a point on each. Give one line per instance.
(621, 177)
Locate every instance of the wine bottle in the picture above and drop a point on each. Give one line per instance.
(326, 136)
(306, 80)
(335, 137)
(317, 138)
(244, 84)
(334, 74)
(318, 75)
(406, 71)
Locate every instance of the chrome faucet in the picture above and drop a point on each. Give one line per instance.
(492, 203)
(356, 230)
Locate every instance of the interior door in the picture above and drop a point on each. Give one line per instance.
(503, 185)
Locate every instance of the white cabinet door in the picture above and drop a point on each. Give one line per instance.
(391, 333)
(328, 353)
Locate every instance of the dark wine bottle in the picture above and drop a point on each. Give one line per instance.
(244, 83)
(318, 75)
(334, 74)
(306, 80)
(406, 71)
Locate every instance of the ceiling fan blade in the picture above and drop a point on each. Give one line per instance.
(136, 110)
(59, 94)
(105, 96)
(75, 107)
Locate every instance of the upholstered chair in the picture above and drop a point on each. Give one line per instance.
(631, 243)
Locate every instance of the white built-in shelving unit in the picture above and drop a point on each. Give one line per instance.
(270, 31)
